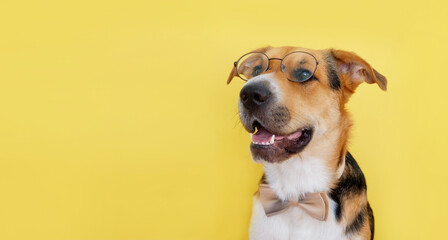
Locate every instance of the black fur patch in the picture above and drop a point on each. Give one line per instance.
(352, 182)
(337, 200)
(357, 223)
(355, 181)
(335, 82)
(263, 179)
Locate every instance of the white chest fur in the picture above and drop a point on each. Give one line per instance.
(297, 176)
(289, 180)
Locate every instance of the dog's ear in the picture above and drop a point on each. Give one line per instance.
(232, 75)
(353, 70)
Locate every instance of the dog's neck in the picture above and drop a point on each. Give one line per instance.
(316, 169)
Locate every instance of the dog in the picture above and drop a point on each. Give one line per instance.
(293, 106)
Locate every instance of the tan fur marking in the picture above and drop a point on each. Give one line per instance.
(365, 230)
(352, 206)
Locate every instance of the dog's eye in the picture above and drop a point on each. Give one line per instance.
(256, 71)
(302, 75)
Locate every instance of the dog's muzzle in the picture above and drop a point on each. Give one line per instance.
(267, 119)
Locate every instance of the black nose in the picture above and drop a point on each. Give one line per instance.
(255, 95)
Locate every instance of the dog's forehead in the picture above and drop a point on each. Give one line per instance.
(280, 52)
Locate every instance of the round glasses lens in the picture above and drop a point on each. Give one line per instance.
(299, 66)
(251, 65)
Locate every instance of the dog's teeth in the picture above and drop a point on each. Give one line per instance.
(251, 137)
(262, 143)
(272, 139)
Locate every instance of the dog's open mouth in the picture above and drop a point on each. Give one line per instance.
(275, 148)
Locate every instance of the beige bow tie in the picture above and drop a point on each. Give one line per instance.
(315, 204)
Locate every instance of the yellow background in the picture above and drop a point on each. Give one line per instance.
(116, 123)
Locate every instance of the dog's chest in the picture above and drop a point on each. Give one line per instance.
(293, 224)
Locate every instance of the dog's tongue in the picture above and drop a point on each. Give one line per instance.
(262, 135)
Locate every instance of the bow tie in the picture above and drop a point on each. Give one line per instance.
(315, 204)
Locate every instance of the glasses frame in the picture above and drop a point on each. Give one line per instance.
(281, 64)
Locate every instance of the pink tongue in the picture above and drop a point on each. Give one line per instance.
(264, 135)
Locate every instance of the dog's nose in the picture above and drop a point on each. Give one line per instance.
(255, 95)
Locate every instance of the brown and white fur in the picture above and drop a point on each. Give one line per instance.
(324, 164)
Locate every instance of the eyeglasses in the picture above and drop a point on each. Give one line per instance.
(297, 66)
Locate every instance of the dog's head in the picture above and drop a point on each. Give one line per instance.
(293, 100)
